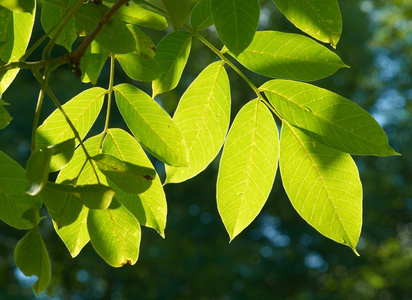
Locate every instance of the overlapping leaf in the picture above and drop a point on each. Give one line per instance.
(290, 56)
(115, 234)
(201, 15)
(177, 10)
(149, 207)
(37, 170)
(151, 125)
(327, 117)
(236, 22)
(5, 117)
(247, 167)
(93, 62)
(144, 45)
(172, 54)
(139, 68)
(323, 185)
(140, 16)
(318, 18)
(82, 110)
(20, 6)
(203, 117)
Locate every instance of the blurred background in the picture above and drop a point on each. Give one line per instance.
(279, 256)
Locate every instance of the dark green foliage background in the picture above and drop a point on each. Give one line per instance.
(279, 256)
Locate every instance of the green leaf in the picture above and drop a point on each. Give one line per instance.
(178, 11)
(20, 6)
(247, 167)
(63, 152)
(149, 207)
(31, 257)
(236, 22)
(140, 16)
(323, 185)
(5, 117)
(115, 234)
(203, 116)
(201, 15)
(144, 45)
(93, 62)
(151, 125)
(115, 36)
(172, 54)
(328, 118)
(15, 31)
(52, 12)
(290, 56)
(82, 110)
(37, 170)
(132, 179)
(138, 68)
(319, 18)
(16, 207)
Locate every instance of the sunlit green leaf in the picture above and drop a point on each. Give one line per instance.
(151, 125)
(31, 256)
(20, 6)
(327, 117)
(93, 62)
(138, 68)
(144, 45)
(247, 167)
(115, 234)
(171, 54)
(323, 185)
(203, 116)
(149, 207)
(132, 179)
(82, 110)
(236, 22)
(16, 207)
(290, 56)
(140, 16)
(63, 152)
(5, 117)
(318, 18)
(201, 15)
(37, 170)
(178, 11)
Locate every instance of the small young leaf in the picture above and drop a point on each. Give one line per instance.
(290, 56)
(236, 22)
(201, 15)
(144, 45)
(203, 116)
(319, 18)
(115, 234)
(323, 185)
(138, 68)
(93, 62)
(20, 6)
(178, 11)
(247, 167)
(5, 117)
(151, 125)
(140, 16)
(149, 207)
(172, 54)
(132, 179)
(37, 170)
(15, 204)
(328, 118)
(31, 257)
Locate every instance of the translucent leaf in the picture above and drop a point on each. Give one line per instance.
(323, 185)
(82, 110)
(15, 30)
(115, 234)
(290, 56)
(5, 117)
(144, 45)
(132, 179)
(151, 125)
(172, 54)
(139, 68)
(178, 11)
(20, 6)
(16, 207)
(31, 257)
(203, 116)
(201, 15)
(93, 62)
(328, 118)
(63, 152)
(319, 18)
(149, 207)
(52, 12)
(247, 167)
(115, 36)
(140, 16)
(37, 170)
(236, 22)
